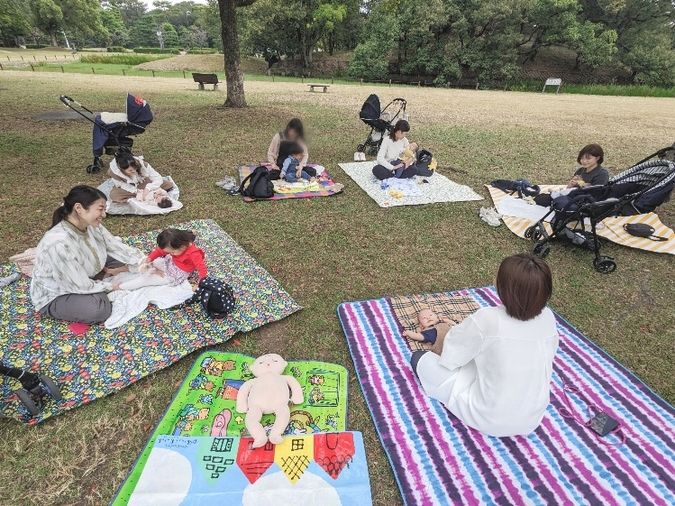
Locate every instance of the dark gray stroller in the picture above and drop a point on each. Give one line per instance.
(380, 121)
(574, 217)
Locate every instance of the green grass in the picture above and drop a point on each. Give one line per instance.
(121, 59)
(323, 251)
(598, 89)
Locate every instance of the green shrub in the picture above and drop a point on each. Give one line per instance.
(157, 50)
(117, 49)
(120, 59)
(203, 50)
(35, 46)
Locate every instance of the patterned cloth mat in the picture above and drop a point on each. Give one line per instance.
(438, 189)
(438, 460)
(103, 361)
(610, 228)
(323, 187)
(205, 403)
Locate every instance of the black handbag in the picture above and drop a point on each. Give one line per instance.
(643, 230)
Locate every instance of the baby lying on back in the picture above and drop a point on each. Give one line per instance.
(431, 329)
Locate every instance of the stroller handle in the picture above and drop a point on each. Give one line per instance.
(66, 100)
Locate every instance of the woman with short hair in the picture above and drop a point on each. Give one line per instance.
(494, 371)
(75, 256)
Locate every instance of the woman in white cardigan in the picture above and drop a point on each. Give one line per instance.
(74, 258)
(130, 174)
(494, 371)
(389, 156)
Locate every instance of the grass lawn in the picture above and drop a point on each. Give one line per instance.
(357, 249)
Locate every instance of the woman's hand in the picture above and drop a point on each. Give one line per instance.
(298, 173)
(114, 270)
(575, 182)
(116, 286)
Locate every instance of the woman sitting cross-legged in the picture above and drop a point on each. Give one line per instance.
(279, 149)
(494, 371)
(75, 256)
(392, 159)
(131, 174)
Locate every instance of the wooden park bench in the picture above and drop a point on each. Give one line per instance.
(324, 86)
(203, 79)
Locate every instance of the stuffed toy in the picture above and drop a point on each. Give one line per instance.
(268, 392)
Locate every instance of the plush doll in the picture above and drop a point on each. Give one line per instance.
(268, 392)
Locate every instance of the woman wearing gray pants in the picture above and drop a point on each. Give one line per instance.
(75, 257)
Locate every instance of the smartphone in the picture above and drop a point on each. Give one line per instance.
(602, 424)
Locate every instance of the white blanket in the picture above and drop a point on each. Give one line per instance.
(518, 208)
(128, 304)
(135, 206)
(438, 189)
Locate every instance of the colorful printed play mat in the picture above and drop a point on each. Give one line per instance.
(100, 362)
(324, 186)
(326, 469)
(438, 460)
(610, 228)
(205, 403)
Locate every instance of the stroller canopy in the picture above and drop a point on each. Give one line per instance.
(116, 125)
(370, 110)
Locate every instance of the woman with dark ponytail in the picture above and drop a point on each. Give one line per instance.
(75, 256)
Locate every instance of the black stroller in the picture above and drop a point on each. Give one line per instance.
(113, 131)
(574, 217)
(34, 387)
(380, 121)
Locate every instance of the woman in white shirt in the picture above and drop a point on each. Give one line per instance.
(75, 256)
(494, 372)
(389, 162)
(130, 174)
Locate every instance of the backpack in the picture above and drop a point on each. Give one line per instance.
(520, 186)
(260, 184)
(643, 230)
(215, 296)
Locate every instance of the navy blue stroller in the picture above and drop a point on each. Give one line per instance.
(574, 217)
(380, 121)
(112, 131)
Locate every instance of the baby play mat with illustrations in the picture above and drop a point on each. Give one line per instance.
(205, 403)
(327, 469)
(436, 459)
(102, 361)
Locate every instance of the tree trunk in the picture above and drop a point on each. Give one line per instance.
(54, 43)
(233, 74)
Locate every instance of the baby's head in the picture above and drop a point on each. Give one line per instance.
(427, 318)
(163, 201)
(413, 146)
(174, 241)
(296, 151)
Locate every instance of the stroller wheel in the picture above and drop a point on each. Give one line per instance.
(529, 231)
(50, 387)
(361, 148)
(93, 169)
(541, 250)
(604, 265)
(27, 400)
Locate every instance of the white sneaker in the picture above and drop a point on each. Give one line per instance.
(490, 216)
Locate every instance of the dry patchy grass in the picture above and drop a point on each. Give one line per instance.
(83, 455)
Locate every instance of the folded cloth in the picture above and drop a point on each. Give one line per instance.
(519, 208)
(407, 187)
(25, 261)
(127, 304)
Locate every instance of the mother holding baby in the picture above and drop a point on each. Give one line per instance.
(396, 156)
(74, 259)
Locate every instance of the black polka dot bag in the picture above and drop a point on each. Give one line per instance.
(215, 296)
